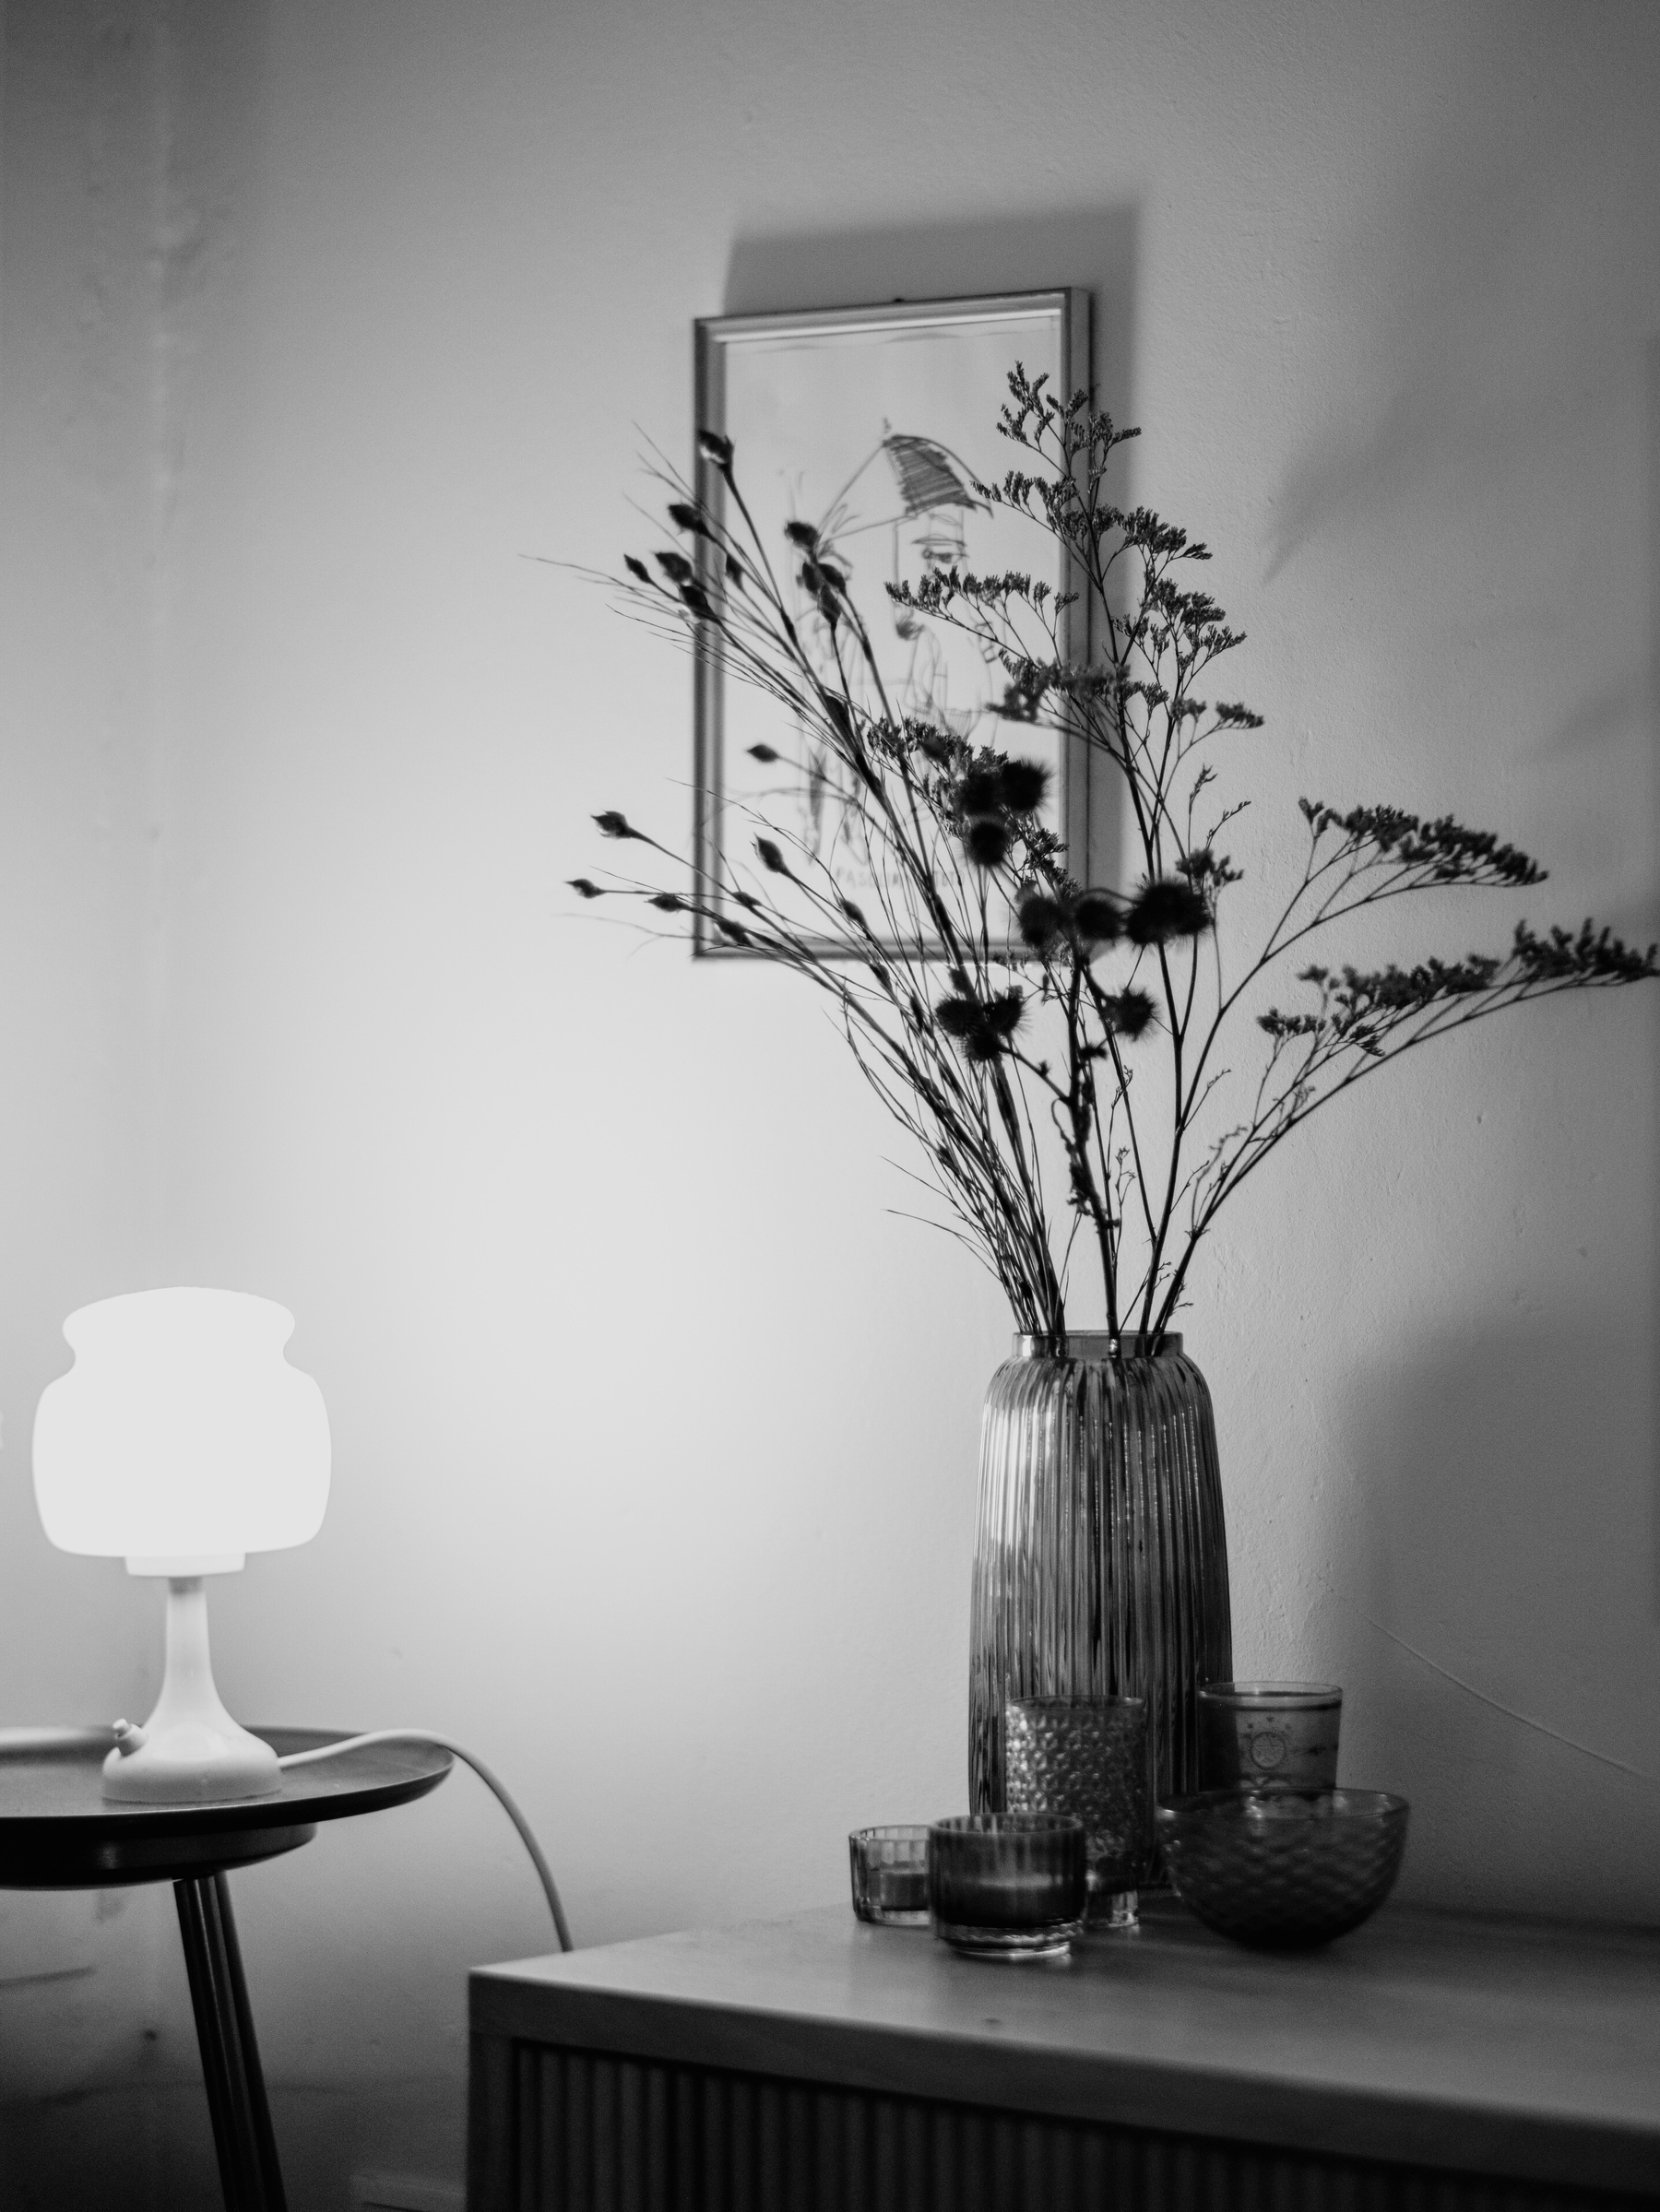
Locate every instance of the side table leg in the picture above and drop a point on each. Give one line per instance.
(249, 2174)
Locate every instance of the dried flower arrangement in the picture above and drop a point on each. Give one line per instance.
(986, 994)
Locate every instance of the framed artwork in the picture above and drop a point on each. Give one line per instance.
(874, 424)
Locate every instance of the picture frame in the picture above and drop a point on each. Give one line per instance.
(875, 422)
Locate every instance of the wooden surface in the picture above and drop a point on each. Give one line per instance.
(59, 1831)
(1466, 2046)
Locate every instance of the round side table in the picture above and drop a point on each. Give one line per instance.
(57, 1831)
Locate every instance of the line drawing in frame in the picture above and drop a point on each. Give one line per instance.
(874, 424)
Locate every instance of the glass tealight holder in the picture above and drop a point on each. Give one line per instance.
(1269, 1735)
(1088, 1756)
(890, 1876)
(1008, 1885)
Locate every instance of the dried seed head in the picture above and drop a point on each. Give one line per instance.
(1040, 920)
(1129, 1013)
(1096, 920)
(981, 791)
(986, 842)
(1023, 784)
(1165, 909)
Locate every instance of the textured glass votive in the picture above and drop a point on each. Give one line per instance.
(1008, 1885)
(1087, 1756)
(1269, 1735)
(890, 1876)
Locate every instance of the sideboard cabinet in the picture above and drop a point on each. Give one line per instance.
(1426, 2064)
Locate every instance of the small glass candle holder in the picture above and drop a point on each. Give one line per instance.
(1269, 1735)
(1088, 1756)
(1008, 1885)
(890, 1876)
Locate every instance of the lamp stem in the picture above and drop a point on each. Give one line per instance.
(189, 1665)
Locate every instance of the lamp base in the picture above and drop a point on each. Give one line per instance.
(190, 1751)
(189, 1764)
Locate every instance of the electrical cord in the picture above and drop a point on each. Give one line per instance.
(544, 1873)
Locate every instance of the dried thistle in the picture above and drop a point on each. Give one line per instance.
(1050, 984)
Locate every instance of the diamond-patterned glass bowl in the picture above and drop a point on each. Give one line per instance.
(1283, 1872)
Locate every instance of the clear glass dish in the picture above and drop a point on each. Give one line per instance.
(889, 1867)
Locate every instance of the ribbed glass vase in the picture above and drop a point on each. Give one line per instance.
(1101, 1562)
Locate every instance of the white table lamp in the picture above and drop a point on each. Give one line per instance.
(182, 1440)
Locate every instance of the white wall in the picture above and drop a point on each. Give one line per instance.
(654, 1432)
(94, 2019)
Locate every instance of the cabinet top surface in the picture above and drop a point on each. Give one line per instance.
(1517, 2031)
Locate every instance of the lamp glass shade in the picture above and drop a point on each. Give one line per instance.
(181, 1434)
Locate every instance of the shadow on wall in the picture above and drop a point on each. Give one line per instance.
(1616, 728)
(1652, 427)
(1508, 1635)
(1486, 340)
(1093, 248)
(1502, 366)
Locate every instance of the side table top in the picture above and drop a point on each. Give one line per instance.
(1502, 2048)
(59, 1831)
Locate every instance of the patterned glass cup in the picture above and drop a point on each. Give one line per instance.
(1088, 1756)
(1007, 1885)
(890, 1876)
(1269, 1735)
